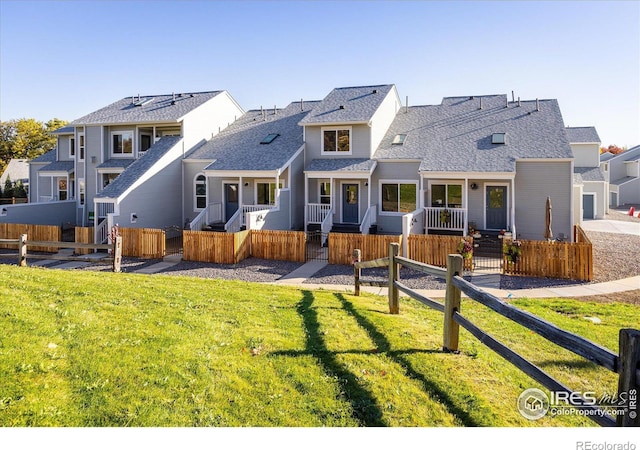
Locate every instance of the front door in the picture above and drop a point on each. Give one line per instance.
(230, 200)
(588, 206)
(496, 208)
(350, 203)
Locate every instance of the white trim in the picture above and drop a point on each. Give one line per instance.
(257, 181)
(336, 129)
(469, 175)
(72, 148)
(342, 183)
(241, 173)
(446, 182)
(398, 183)
(224, 197)
(122, 155)
(551, 160)
(335, 124)
(507, 202)
(82, 137)
(322, 181)
(206, 192)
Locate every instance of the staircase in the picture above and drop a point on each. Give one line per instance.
(216, 226)
(346, 228)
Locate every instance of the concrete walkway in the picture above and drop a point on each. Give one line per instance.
(611, 226)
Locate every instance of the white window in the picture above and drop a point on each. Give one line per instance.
(200, 192)
(81, 147)
(122, 143)
(107, 179)
(398, 197)
(62, 188)
(266, 192)
(325, 192)
(336, 140)
(72, 147)
(446, 195)
(81, 190)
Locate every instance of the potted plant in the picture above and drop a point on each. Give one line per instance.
(465, 249)
(513, 251)
(445, 216)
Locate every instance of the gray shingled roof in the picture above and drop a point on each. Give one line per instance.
(58, 166)
(577, 178)
(159, 109)
(590, 173)
(623, 180)
(50, 156)
(115, 163)
(606, 156)
(360, 104)
(238, 147)
(64, 130)
(455, 136)
(582, 134)
(126, 179)
(342, 165)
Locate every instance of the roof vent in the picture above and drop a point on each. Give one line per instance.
(537, 105)
(375, 91)
(341, 106)
(498, 138)
(192, 95)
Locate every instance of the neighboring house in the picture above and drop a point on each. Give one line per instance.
(254, 166)
(436, 169)
(624, 176)
(591, 183)
(122, 163)
(16, 170)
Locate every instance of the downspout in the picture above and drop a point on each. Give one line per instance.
(306, 201)
(465, 204)
(513, 207)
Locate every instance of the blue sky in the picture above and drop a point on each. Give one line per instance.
(66, 59)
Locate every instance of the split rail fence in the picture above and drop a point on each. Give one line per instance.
(626, 363)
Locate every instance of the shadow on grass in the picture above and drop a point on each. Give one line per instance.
(383, 346)
(364, 405)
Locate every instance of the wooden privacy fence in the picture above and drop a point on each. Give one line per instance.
(279, 245)
(22, 243)
(143, 242)
(13, 231)
(372, 246)
(84, 235)
(433, 249)
(571, 260)
(626, 363)
(220, 248)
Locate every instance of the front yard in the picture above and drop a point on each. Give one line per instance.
(100, 349)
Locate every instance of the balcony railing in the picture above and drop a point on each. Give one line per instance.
(445, 218)
(317, 212)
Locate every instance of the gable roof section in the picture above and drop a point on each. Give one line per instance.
(582, 135)
(17, 169)
(359, 104)
(630, 154)
(346, 165)
(57, 167)
(48, 157)
(64, 130)
(115, 163)
(238, 147)
(139, 167)
(159, 108)
(590, 173)
(455, 136)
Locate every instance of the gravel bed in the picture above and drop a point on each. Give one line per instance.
(615, 255)
(251, 269)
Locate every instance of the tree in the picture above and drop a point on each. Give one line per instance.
(7, 192)
(19, 190)
(26, 138)
(612, 149)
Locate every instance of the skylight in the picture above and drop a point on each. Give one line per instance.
(399, 139)
(498, 138)
(269, 138)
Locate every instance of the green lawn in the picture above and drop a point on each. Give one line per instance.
(103, 349)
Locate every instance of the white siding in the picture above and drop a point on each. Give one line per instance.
(586, 155)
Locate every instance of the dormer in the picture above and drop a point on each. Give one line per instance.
(350, 122)
(585, 145)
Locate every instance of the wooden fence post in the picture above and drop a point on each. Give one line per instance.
(628, 382)
(117, 253)
(22, 251)
(451, 304)
(394, 306)
(357, 256)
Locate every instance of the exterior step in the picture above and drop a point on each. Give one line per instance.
(346, 228)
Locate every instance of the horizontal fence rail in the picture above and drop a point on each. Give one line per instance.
(626, 364)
